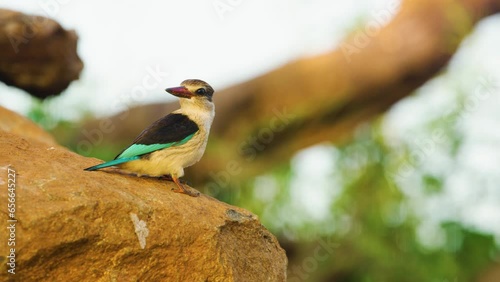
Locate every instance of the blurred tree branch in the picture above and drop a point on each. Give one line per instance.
(323, 98)
(328, 95)
(37, 54)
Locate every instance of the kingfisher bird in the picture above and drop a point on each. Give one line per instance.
(173, 142)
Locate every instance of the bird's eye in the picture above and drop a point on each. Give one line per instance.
(201, 91)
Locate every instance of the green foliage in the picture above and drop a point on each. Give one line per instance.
(40, 115)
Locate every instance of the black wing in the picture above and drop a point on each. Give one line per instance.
(169, 129)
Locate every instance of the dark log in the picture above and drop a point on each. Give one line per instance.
(37, 54)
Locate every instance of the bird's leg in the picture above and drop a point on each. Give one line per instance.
(182, 189)
(169, 178)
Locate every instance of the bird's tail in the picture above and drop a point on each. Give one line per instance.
(112, 163)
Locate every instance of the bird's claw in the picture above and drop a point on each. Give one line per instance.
(189, 191)
(180, 186)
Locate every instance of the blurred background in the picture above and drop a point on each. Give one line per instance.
(413, 194)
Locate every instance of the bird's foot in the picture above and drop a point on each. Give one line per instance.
(181, 189)
(168, 177)
(188, 191)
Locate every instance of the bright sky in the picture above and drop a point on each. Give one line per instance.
(122, 42)
(220, 41)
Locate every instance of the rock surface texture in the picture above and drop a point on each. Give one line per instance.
(75, 225)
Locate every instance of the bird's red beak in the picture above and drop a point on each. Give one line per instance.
(180, 91)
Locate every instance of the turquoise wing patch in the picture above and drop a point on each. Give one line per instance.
(140, 149)
(112, 163)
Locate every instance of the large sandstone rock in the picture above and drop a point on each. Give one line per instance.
(75, 225)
